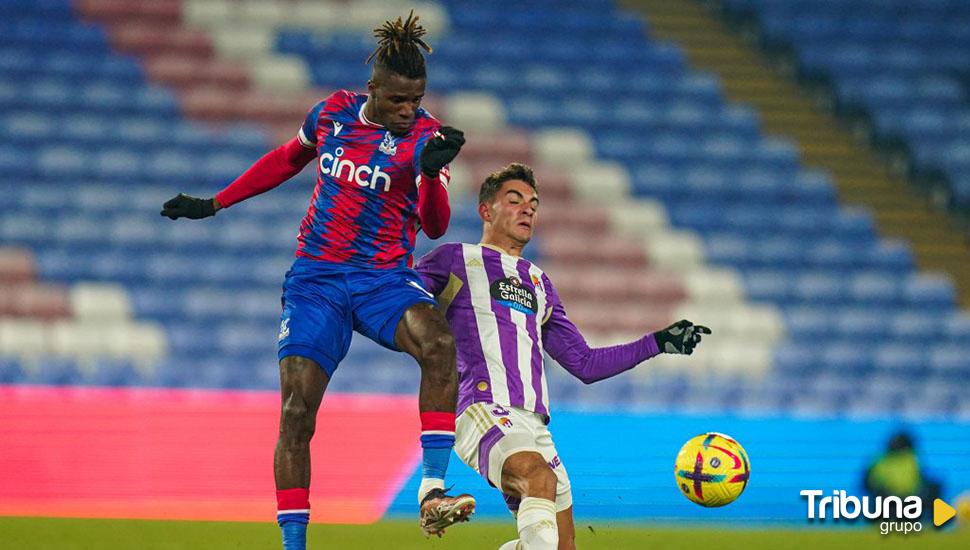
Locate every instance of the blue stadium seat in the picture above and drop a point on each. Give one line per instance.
(929, 291)
(820, 289)
(11, 371)
(875, 288)
(951, 362)
(890, 256)
(841, 254)
(782, 252)
(111, 372)
(55, 372)
(121, 142)
(957, 328)
(60, 161)
(175, 372)
(916, 327)
(41, 9)
(863, 325)
(850, 360)
(796, 360)
(88, 131)
(903, 361)
(891, 59)
(15, 162)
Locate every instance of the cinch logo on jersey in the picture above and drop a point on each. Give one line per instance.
(364, 176)
(510, 293)
(899, 515)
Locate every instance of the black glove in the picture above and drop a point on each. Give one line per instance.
(185, 206)
(441, 149)
(680, 337)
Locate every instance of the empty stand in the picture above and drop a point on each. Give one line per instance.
(660, 199)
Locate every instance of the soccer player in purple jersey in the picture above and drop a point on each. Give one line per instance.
(382, 173)
(505, 312)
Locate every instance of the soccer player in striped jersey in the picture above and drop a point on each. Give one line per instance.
(382, 173)
(505, 313)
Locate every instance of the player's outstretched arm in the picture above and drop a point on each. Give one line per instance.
(187, 206)
(564, 343)
(681, 337)
(268, 172)
(434, 212)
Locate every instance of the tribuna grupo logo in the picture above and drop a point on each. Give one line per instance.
(897, 515)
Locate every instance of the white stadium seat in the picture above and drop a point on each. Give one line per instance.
(100, 302)
(475, 112)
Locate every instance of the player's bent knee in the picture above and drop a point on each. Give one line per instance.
(544, 477)
(438, 354)
(528, 474)
(297, 421)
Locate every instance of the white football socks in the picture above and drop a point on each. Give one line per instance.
(537, 524)
(427, 484)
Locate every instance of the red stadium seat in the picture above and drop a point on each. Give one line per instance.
(211, 104)
(132, 11)
(595, 319)
(16, 265)
(188, 73)
(553, 183)
(617, 286)
(153, 40)
(274, 109)
(45, 302)
(557, 217)
(581, 248)
(497, 149)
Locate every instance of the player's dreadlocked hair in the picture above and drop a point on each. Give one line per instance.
(399, 47)
(494, 181)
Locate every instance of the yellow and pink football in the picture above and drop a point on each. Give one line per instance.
(712, 469)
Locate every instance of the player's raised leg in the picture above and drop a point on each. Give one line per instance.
(302, 383)
(527, 475)
(567, 529)
(424, 334)
(567, 533)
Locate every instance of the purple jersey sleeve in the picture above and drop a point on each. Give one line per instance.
(435, 268)
(564, 343)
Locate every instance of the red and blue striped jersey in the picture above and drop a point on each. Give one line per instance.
(363, 212)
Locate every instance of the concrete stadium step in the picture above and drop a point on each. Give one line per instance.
(859, 175)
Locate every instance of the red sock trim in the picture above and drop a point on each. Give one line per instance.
(437, 422)
(293, 499)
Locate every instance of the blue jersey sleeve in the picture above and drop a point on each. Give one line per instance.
(308, 132)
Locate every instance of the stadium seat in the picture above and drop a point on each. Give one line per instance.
(678, 201)
(957, 328)
(11, 371)
(885, 61)
(55, 371)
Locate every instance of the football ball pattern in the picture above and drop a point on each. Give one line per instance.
(712, 469)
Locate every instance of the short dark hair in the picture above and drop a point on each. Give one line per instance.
(399, 45)
(494, 181)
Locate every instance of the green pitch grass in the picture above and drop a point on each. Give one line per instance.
(68, 534)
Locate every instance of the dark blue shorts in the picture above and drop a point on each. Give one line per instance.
(324, 303)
